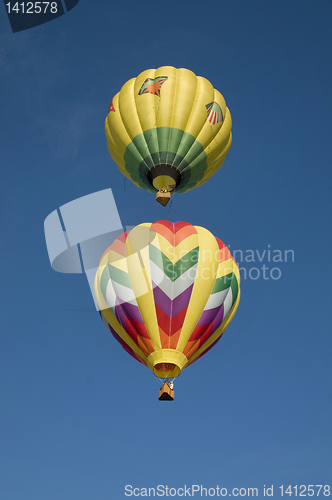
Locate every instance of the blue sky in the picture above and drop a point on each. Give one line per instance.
(79, 418)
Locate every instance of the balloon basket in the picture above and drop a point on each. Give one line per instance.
(166, 393)
(163, 197)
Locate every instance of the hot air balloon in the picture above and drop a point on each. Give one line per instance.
(168, 130)
(167, 292)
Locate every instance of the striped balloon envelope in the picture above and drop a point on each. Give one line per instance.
(167, 292)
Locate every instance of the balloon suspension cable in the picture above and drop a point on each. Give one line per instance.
(163, 380)
(159, 381)
(124, 184)
(170, 203)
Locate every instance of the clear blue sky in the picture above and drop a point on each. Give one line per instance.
(79, 418)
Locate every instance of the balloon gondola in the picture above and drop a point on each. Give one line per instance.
(167, 292)
(168, 130)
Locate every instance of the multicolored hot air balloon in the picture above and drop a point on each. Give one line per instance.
(167, 292)
(168, 130)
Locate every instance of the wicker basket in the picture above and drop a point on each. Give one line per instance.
(166, 393)
(163, 197)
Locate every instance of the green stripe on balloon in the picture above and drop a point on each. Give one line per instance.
(165, 145)
(104, 281)
(188, 261)
(222, 283)
(173, 271)
(235, 289)
(119, 276)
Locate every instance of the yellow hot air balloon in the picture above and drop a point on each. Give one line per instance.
(168, 130)
(167, 292)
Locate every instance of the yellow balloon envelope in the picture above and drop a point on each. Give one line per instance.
(168, 130)
(167, 292)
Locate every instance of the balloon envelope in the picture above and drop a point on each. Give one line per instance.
(167, 292)
(168, 129)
